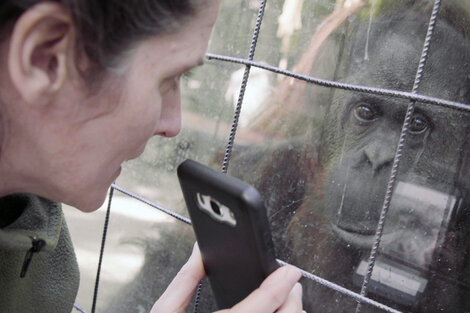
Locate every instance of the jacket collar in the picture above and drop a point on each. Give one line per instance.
(41, 220)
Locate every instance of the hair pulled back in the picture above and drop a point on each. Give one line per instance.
(106, 29)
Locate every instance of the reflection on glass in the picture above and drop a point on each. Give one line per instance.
(322, 157)
(328, 169)
(417, 223)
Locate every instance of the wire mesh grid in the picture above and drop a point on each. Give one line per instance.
(413, 96)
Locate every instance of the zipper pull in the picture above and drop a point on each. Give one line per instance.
(38, 244)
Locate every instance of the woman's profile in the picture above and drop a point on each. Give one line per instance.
(84, 85)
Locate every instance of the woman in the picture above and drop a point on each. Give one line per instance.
(84, 85)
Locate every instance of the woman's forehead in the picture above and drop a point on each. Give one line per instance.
(184, 49)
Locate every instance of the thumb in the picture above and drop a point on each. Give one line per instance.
(179, 293)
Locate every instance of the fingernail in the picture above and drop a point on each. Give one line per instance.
(195, 252)
(293, 273)
(195, 258)
(298, 289)
(196, 246)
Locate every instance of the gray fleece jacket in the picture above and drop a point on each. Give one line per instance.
(35, 243)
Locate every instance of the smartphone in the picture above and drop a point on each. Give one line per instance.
(231, 226)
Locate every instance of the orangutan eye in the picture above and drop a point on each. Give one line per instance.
(364, 112)
(418, 125)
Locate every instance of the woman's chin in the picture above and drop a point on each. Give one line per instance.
(94, 199)
(90, 202)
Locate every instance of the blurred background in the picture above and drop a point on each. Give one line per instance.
(285, 133)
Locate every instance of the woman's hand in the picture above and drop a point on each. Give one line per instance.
(280, 291)
(179, 293)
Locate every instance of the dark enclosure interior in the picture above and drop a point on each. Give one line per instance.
(352, 119)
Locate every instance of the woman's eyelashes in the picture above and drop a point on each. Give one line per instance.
(172, 83)
(188, 74)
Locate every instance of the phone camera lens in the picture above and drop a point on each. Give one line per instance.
(215, 207)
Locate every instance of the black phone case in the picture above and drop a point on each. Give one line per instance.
(237, 258)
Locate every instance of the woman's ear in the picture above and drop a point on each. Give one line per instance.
(41, 42)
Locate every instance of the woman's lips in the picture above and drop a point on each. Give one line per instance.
(117, 173)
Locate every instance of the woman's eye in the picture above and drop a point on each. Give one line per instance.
(364, 112)
(188, 74)
(171, 83)
(418, 125)
(175, 81)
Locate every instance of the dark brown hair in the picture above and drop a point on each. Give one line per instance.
(107, 28)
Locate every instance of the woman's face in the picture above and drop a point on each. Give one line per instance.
(78, 147)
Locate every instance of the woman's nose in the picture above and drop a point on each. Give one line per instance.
(170, 119)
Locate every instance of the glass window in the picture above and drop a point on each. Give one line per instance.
(320, 147)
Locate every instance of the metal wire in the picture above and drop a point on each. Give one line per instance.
(246, 74)
(156, 206)
(344, 86)
(306, 274)
(233, 130)
(78, 308)
(103, 241)
(172, 214)
(198, 297)
(413, 96)
(343, 290)
(399, 153)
